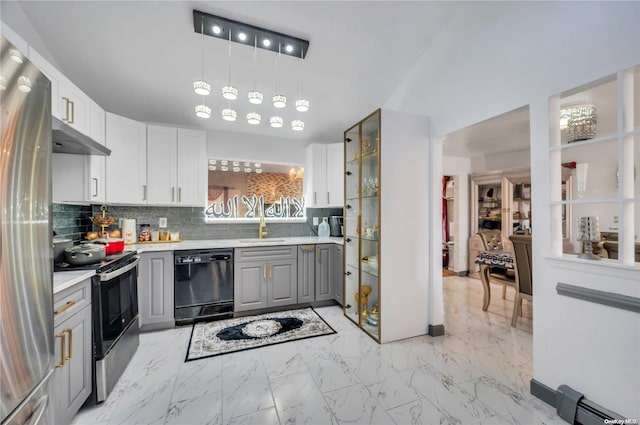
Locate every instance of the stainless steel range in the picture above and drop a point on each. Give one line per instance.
(114, 303)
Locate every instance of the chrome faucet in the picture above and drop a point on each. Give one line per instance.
(262, 227)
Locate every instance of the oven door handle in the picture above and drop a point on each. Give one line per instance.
(108, 276)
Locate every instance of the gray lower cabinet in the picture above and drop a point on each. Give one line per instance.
(156, 290)
(338, 280)
(325, 272)
(73, 351)
(265, 277)
(250, 285)
(306, 273)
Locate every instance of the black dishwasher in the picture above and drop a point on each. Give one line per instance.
(203, 285)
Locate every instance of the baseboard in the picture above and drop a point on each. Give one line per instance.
(158, 326)
(436, 330)
(571, 405)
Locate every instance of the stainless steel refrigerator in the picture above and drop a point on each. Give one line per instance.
(26, 265)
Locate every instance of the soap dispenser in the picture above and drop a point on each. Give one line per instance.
(323, 228)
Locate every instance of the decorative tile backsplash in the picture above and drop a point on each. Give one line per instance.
(72, 221)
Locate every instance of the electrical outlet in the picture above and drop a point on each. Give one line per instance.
(162, 222)
(315, 221)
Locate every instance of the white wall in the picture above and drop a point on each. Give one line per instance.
(495, 57)
(500, 161)
(248, 147)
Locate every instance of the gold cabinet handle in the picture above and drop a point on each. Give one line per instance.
(270, 270)
(179, 194)
(95, 179)
(65, 307)
(264, 271)
(306, 248)
(69, 331)
(73, 112)
(66, 104)
(314, 197)
(173, 194)
(318, 254)
(144, 192)
(63, 340)
(328, 197)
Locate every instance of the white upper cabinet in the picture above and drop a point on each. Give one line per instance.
(74, 106)
(69, 103)
(176, 166)
(335, 174)
(78, 178)
(192, 168)
(96, 123)
(53, 75)
(127, 164)
(323, 179)
(162, 147)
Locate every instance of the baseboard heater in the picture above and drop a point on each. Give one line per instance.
(572, 406)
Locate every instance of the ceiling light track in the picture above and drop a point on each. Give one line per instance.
(219, 27)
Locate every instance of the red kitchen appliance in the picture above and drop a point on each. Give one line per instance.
(111, 245)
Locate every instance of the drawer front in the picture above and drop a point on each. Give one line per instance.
(66, 303)
(266, 253)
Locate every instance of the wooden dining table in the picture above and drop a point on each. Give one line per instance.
(494, 258)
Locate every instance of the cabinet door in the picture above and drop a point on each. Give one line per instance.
(324, 272)
(127, 165)
(161, 165)
(315, 177)
(96, 178)
(283, 284)
(53, 75)
(250, 285)
(335, 174)
(192, 168)
(338, 274)
(306, 273)
(156, 289)
(73, 380)
(96, 123)
(76, 106)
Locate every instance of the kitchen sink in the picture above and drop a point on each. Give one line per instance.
(260, 240)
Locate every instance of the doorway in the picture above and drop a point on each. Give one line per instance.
(492, 156)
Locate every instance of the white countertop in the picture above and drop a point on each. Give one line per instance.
(232, 243)
(64, 280)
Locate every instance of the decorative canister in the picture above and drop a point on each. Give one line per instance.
(145, 233)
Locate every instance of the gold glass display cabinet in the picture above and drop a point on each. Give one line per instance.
(362, 226)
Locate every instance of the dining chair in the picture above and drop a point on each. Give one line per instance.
(492, 239)
(524, 275)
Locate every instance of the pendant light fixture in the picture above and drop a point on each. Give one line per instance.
(254, 95)
(201, 87)
(229, 114)
(302, 104)
(279, 100)
(229, 92)
(203, 111)
(253, 118)
(297, 125)
(276, 122)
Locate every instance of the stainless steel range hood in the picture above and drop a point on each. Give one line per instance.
(67, 139)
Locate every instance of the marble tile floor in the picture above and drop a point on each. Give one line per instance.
(478, 373)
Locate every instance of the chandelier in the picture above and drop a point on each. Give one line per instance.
(238, 32)
(580, 122)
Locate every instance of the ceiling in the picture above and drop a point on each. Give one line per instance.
(508, 132)
(139, 59)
